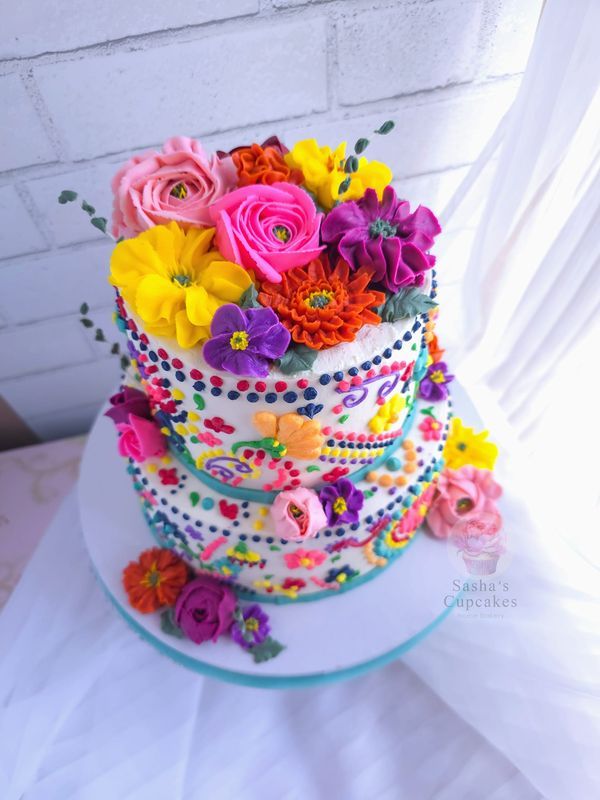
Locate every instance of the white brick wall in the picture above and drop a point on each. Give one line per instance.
(84, 84)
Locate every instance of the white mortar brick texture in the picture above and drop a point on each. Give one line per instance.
(133, 99)
(85, 85)
(70, 24)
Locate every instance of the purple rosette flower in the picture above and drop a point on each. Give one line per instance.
(341, 501)
(128, 401)
(204, 609)
(434, 385)
(252, 629)
(383, 236)
(244, 340)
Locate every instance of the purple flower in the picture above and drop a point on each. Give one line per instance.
(244, 340)
(341, 501)
(383, 236)
(434, 386)
(128, 401)
(252, 629)
(204, 609)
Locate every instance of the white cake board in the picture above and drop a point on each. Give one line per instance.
(335, 638)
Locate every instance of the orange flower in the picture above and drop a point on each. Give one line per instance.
(155, 579)
(263, 164)
(322, 307)
(301, 436)
(435, 351)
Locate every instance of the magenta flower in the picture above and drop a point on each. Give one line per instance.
(244, 340)
(204, 609)
(140, 439)
(128, 401)
(384, 237)
(253, 627)
(434, 385)
(341, 501)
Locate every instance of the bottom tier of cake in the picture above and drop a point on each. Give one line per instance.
(232, 538)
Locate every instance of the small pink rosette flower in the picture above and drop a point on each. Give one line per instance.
(177, 184)
(140, 439)
(298, 514)
(462, 494)
(267, 229)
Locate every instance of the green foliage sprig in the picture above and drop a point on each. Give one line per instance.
(351, 163)
(115, 347)
(101, 223)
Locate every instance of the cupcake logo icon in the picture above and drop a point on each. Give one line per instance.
(480, 543)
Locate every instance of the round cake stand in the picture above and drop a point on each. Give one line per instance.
(335, 638)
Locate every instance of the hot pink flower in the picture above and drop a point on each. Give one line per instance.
(140, 439)
(179, 183)
(309, 559)
(298, 514)
(431, 429)
(209, 439)
(462, 494)
(267, 229)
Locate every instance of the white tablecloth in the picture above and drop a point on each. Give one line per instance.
(484, 708)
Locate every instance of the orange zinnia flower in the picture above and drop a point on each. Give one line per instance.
(263, 164)
(435, 351)
(322, 307)
(155, 579)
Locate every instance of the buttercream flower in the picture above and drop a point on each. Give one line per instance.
(177, 184)
(204, 609)
(322, 307)
(140, 439)
(435, 351)
(264, 163)
(341, 575)
(300, 436)
(304, 559)
(245, 341)
(267, 229)
(175, 281)
(464, 446)
(128, 401)
(383, 236)
(251, 627)
(154, 580)
(342, 501)
(462, 494)
(388, 414)
(323, 170)
(434, 386)
(298, 514)
(431, 429)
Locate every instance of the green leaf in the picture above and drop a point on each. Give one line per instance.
(87, 323)
(168, 624)
(387, 126)
(67, 196)
(265, 650)
(99, 337)
(115, 349)
(199, 401)
(344, 185)
(250, 298)
(405, 303)
(100, 223)
(297, 359)
(194, 498)
(351, 164)
(83, 309)
(360, 146)
(88, 208)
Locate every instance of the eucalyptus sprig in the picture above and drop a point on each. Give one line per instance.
(351, 163)
(115, 348)
(69, 196)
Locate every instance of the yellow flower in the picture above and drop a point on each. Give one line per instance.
(464, 446)
(301, 436)
(323, 170)
(175, 282)
(388, 414)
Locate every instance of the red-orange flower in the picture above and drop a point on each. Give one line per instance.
(154, 580)
(322, 307)
(263, 164)
(435, 351)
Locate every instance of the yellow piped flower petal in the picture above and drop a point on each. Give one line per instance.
(388, 414)
(464, 446)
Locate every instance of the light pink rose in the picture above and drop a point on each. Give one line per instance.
(140, 439)
(298, 514)
(268, 229)
(179, 184)
(462, 494)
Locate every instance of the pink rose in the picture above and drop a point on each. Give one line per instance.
(462, 494)
(267, 229)
(204, 609)
(179, 184)
(140, 439)
(298, 514)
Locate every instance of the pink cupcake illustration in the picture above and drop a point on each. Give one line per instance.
(481, 542)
